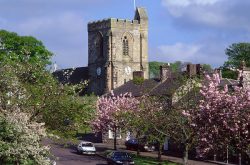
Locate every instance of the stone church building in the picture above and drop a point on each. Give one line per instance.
(116, 49)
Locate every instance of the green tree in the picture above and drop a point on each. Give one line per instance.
(237, 52)
(207, 67)
(36, 92)
(176, 66)
(27, 84)
(230, 74)
(23, 49)
(154, 68)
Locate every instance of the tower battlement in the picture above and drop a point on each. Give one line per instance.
(113, 23)
(124, 23)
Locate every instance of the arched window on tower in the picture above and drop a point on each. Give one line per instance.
(125, 46)
(99, 44)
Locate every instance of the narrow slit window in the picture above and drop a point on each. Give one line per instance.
(125, 46)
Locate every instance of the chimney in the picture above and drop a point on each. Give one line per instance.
(138, 74)
(193, 70)
(219, 71)
(198, 69)
(165, 72)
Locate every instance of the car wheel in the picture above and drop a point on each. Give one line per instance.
(79, 152)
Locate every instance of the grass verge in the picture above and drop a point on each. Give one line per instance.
(142, 160)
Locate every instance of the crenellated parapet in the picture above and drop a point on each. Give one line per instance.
(124, 23)
(113, 23)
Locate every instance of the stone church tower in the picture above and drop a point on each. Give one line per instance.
(117, 48)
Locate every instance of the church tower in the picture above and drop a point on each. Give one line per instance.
(117, 48)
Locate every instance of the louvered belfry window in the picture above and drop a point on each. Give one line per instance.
(125, 46)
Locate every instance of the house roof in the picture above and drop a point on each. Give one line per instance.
(229, 82)
(155, 87)
(72, 75)
(149, 86)
(136, 90)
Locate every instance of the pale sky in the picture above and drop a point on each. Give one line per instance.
(195, 31)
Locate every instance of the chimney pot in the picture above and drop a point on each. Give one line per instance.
(165, 72)
(138, 74)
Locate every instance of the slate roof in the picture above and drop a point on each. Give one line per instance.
(149, 86)
(136, 90)
(76, 75)
(155, 87)
(229, 82)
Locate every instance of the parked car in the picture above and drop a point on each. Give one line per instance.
(132, 144)
(85, 147)
(51, 160)
(119, 158)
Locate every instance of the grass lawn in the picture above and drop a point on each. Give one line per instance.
(142, 160)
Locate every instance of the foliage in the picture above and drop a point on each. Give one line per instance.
(176, 66)
(207, 67)
(184, 99)
(23, 49)
(230, 74)
(154, 69)
(223, 117)
(24, 81)
(153, 116)
(160, 119)
(20, 139)
(138, 80)
(39, 94)
(237, 52)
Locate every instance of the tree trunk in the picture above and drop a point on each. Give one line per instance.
(239, 158)
(227, 154)
(185, 156)
(138, 149)
(159, 152)
(115, 148)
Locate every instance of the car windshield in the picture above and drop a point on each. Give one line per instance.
(87, 144)
(122, 155)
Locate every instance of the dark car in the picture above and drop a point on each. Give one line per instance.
(119, 158)
(132, 144)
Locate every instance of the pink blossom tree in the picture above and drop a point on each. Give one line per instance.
(111, 112)
(223, 117)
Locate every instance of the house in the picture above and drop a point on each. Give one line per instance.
(171, 88)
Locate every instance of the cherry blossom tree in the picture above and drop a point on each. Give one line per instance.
(223, 117)
(110, 113)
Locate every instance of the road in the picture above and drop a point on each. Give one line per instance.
(69, 156)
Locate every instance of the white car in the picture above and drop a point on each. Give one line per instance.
(86, 148)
